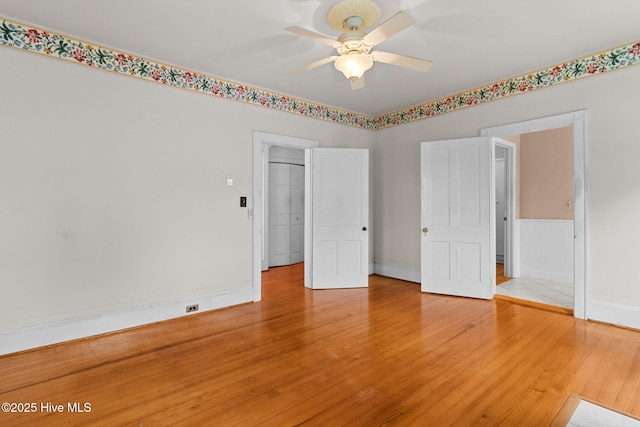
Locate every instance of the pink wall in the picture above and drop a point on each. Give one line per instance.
(546, 174)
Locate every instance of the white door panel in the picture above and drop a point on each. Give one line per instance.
(340, 218)
(457, 213)
(297, 213)
(286, 214)
(279, 213)
(501, 213)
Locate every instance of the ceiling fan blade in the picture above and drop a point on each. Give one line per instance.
(313, 65)
(357, 83)
(388, 28)
(409, 62)
(313, 36)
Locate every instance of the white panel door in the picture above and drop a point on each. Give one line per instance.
(279, 215)
(340, 215)
(501, 209)
(297, 213)
(458, 218)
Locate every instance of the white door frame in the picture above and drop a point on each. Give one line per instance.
(512, 238)
(501, 217)
(578, 121)
(262, 142)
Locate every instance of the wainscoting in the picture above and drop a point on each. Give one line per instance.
(546, 249)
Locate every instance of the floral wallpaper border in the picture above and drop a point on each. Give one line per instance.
(31, 39)
(614, 59)
(20, 36)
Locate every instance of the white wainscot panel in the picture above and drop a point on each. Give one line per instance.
(546, 249)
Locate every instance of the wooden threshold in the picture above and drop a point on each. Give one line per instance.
(535, 304)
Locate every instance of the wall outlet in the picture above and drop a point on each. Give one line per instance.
(192, 308)
(568, 204)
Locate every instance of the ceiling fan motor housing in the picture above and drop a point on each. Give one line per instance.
(352, 43)
(353, 14)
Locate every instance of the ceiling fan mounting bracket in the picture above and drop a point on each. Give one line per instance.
(347, 14)
(353, 22)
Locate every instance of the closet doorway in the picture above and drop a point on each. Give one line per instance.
(285, 206)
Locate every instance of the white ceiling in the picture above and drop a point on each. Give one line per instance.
(471, 42)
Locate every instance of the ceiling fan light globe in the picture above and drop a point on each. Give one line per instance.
(353, 66)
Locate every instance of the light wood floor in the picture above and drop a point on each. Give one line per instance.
(500, 278)
(387, 355)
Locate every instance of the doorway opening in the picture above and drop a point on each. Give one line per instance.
(562, 251)
(501, 212)
(262, 144)
(336, 249)
(544, 183)
(284, 212)
(500, 181)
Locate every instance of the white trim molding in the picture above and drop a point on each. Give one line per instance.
(262, 142)
(578, 120)
(73, 329)
(402, 273)
(614, 314)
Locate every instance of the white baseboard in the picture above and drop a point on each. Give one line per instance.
(401, 273)
(72, 329)
(614, 313)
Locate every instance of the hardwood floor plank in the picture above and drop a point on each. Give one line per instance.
(500, 277)
(386, 355)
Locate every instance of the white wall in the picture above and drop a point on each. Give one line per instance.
(613, 232)
(113, 191)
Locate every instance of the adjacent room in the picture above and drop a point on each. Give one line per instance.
(305, 212)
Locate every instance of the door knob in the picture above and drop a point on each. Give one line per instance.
(364, 228)
(425, 230)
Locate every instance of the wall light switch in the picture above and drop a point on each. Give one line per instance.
(243, 202)
(229, 180)
(568, 204)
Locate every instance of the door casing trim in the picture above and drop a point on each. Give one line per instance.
(262, 142)
(578, 120)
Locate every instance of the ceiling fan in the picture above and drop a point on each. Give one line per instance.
(354, 46)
